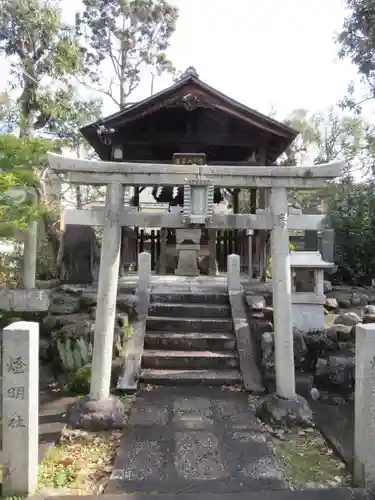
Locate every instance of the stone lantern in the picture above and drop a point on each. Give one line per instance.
(308, 297)
(198, 211)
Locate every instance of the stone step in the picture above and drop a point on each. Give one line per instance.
(190, 340)
(193, 360)
(191, 324)
(191, 297)
(181, 309)
(190, 377)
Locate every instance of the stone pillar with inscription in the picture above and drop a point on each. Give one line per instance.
(364, 407)
(20, 434)
(282, 302)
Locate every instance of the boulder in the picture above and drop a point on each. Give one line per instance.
(369, 310)
(88, 299)
(255, 302)
(64, 303)
(268, 357)
(335, 373)
(327, 286)
(260, 326)
(339, 332)
(280, 412)
(268, 313)
(348, 318)
(268, 350)
(127, 304)
(204, 265)
(359, 299)
(331, 304)
(369, 318)
(97, 416)
(344, 303)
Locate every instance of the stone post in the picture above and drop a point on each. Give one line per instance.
(107, 294)
(20, 408)
(29, 256)
(250, 256)
(233, 273)
(282, 303)
(144, 271)
(364, 406)
(30, 250)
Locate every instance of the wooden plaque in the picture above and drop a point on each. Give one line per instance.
(189, 159)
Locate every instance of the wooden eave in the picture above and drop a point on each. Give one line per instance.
(277, 131)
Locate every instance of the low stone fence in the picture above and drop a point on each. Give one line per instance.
(19, 407)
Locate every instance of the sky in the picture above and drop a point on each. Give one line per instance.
(264, 53)
(268, 54)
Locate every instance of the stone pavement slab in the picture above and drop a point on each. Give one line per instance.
(318, 494)
(194, 440)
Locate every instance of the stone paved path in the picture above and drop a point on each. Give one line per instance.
(194, 440)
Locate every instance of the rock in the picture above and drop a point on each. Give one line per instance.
(331, 304)
(359, 300)
(255, 302)
(88, 299)
(268, 352)
(122, 319)
(344, 303)
(319, 342)
(268, 313)
(44, 346)
(95, 416)
(335, 373)
(204, 265)
(349, 318)
(268, 358)
(339, 332)
(260, 326)
(327, 286)
(64, 303)
(52, 323)
(280, 412)
(369, 318)
(127, 304)
(369, 310)
(82, 328)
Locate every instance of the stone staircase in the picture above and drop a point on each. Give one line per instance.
(190, 339)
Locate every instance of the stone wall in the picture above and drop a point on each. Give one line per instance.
(323, 359)
(67, 331)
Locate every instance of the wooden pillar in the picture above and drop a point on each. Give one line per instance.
(263, 235)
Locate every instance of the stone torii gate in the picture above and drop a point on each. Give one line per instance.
(116, 175)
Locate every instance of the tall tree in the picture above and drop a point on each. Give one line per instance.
(357, 42)
(127, 36)
(328, 136)
(43, 53)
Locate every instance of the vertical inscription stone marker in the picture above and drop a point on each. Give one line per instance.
(20, 435)
(364, 413)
